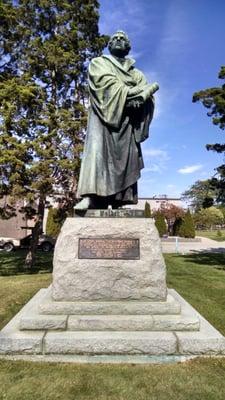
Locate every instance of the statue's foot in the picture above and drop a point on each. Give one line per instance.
(84, 204)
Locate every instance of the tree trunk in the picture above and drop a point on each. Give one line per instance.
(36, 231)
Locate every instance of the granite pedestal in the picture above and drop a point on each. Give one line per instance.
(108, 301)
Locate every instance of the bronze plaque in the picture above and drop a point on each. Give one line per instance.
(123, 249)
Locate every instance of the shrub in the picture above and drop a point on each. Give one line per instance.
(171, 213)
(147, 211)
(55, 220)
(160, 224)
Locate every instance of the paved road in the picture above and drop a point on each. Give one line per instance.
(205, 245)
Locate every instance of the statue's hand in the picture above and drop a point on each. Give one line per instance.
(152, 89)
(135, 103)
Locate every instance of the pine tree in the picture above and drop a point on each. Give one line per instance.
(46, 46)
(184, 226)
(176, 226)
(214, 100)
(160, 223)
(55, 219)
(147, 211)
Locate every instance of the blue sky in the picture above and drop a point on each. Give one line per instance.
(181, 45)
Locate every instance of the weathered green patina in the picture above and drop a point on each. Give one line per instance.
(121, 109)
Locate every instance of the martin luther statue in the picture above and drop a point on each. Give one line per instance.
(121, 109)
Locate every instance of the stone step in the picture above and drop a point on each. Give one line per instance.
(110, 322)
(133, 323)
(48, 306)
(93, 343)
(82, 346)
(43, 322)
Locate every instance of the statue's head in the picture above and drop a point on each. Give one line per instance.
(119, 44)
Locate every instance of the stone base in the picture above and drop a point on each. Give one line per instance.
(108, 272)
(109, 301)
(109, 336)
(115, 316)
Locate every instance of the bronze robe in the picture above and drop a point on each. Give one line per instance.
(112, 158)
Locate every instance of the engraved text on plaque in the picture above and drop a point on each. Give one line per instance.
(124, 249)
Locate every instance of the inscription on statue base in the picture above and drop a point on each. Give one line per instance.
(104, 248)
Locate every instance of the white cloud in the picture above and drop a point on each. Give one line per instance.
(155, 160)
(152, 152)
(190, 169)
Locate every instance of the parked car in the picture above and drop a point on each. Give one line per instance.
(45, 243)
(8, 244)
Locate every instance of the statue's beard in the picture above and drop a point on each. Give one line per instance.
(117, 52)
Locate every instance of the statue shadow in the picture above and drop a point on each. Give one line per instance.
(213, 257)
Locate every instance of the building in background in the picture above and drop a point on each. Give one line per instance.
(18, 227)
(156, 202)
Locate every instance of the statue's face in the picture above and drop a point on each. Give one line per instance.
(119, 45)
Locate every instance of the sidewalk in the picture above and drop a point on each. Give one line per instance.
(204, 245)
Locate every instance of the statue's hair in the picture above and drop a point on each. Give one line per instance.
(128, 45)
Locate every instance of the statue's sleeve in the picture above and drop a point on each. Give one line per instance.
(144, 114)
(107, 93)
(140, 90)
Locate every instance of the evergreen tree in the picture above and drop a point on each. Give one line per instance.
(46, 46)
(214, 100)
(186, 228)
(147, 211)
(160, 223)
(176, 226)
(55, 219)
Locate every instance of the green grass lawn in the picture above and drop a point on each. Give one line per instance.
(14, 263)
(18, 283)
(212, 235)
(200, 278)
(195, 380)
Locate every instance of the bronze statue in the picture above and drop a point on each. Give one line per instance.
(121, 109)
